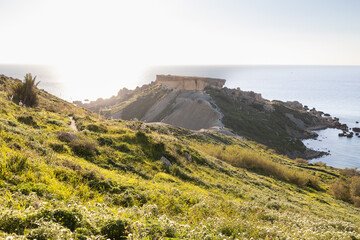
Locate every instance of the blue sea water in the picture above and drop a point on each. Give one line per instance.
(331, 89)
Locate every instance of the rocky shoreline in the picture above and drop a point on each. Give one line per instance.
(335, 124)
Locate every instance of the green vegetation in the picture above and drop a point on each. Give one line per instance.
(26, 91)
(272, 128)
(107, 181)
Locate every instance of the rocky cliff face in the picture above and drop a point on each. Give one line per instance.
(188, 83)
(193, 110)
(276, 124)
(201, 103)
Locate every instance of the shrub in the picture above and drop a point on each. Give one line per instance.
(130, 198)
(10, 224)
(26, 91)
(83, 148)
(56, 122)
(17, 163)
(124, 200)
(58, 147)
(122, 147)
(340, 190)
(141, 137)
(355, 186)
(28, 120)
(105, 141)
(116, 229)
(350, 172)
(40, 234)
(355, 190)
(273, 205)
(69, 219)
(38, 188)
(301, 161)
(102, 185)
(96, 128)
(82, 233)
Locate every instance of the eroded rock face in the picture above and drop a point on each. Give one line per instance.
(189, 83)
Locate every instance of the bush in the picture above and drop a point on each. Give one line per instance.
(105, 141)
(116, 229)
(102, 185)
(122, 147)
(348, 191)
(69, 219)
(355, 190)
(83, 148)
(58, 147)
(141, 137)
(38, 188)
(96, 128)
(56, 122)
(10, 224)
(40, 234)
(17, 163)
(340, 190)
(26, 91)
(28, 120)
(301, 161)
(350, 172)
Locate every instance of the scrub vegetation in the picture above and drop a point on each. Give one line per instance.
(106, 181)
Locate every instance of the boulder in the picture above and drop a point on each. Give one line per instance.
(355, 129)
(343, 127)
(67, 136)
(343, 134)
(188, 156)
(294, 105)
(165, 161)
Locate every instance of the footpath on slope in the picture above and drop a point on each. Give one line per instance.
(72, 125)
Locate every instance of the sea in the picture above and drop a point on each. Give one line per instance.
(332, 89)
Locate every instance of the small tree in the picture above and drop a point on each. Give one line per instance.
(26, 91)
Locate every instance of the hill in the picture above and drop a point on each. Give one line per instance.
(184, 102)
(123, 179)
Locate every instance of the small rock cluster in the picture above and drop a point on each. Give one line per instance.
(349, 134)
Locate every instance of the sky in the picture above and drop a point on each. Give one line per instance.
(114, 41)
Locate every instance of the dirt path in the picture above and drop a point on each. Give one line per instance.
(72, 125)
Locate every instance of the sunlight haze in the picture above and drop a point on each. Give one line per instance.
(113, 42)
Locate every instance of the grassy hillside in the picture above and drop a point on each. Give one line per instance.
(107, 181)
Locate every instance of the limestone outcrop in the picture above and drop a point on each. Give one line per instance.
(189, 83)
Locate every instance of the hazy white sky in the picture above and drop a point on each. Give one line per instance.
(115, 40)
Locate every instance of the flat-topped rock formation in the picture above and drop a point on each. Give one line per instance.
(189, 83)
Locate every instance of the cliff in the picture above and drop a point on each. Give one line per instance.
(189, 83)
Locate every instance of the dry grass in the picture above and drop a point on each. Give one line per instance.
(254, 161)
